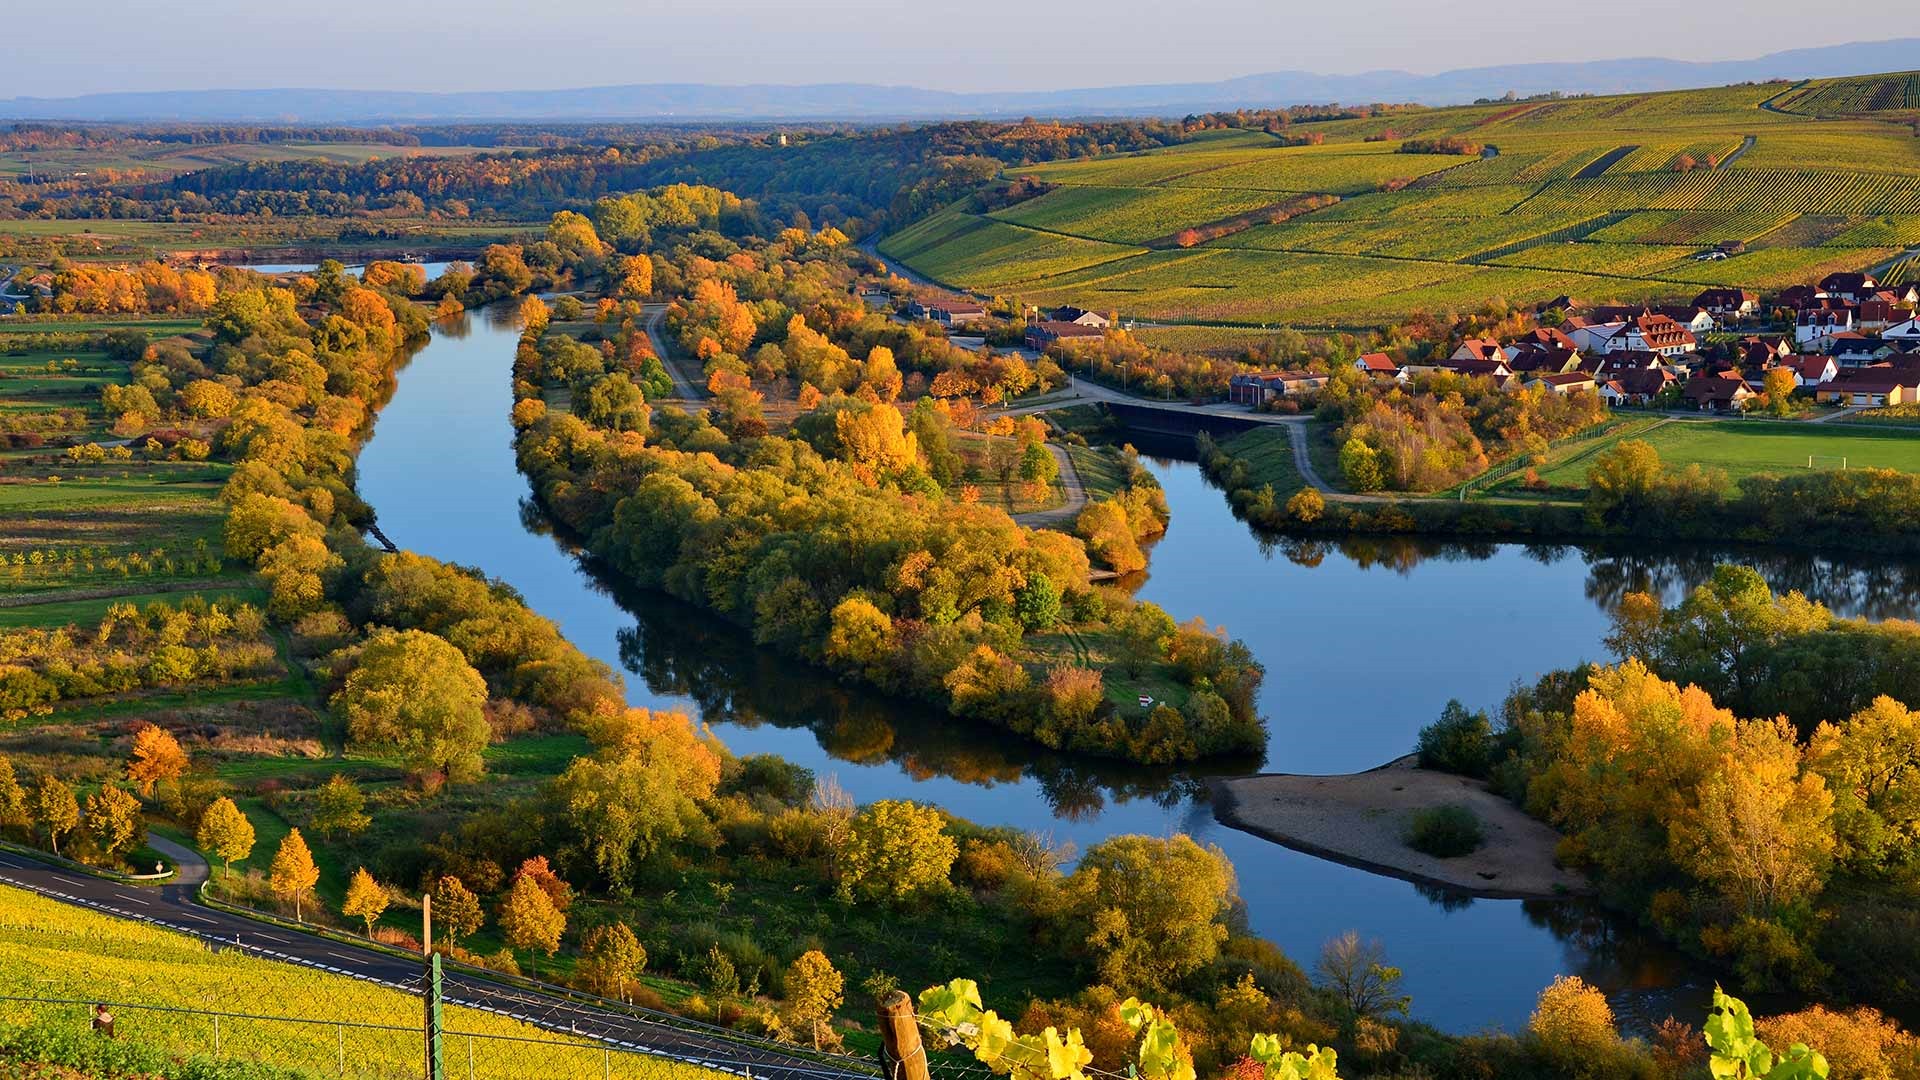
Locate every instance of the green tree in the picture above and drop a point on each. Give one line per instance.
(339, 807)
(113, 819)
(366, 899)
(55, 810)
(615, 403)
(455, 909)
(412, 691)
(293, 872)
(1871, 763)
(1037, 464)
(528, 919)
(898, 850)
(611, 957)
(814, 990)
(1154, 909)
(225, 833)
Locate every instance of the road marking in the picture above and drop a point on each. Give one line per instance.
(348, 959)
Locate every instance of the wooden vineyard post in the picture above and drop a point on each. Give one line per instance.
(902, 1056)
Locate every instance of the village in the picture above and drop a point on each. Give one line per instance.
(1853, 343)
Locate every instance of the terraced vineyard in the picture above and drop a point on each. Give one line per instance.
(1608, 199)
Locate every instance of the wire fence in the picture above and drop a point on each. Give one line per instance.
(497, 1040)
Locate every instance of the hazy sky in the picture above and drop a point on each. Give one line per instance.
(65, 47)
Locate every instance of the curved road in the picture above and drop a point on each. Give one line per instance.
(173, 906)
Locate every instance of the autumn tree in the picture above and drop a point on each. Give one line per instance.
(552, 884)
(1778, 386)
(55, 810)
(611, 957)
(156, 756)
(640, 791)
(339, 807)
(293, 872)
(1572, 1020)
(225, 833)
(897, 850)
(1620, 479)
(1037, 465)
(366, 899)
(13, 797)
(1871, 763)
(814, 990)
(412, 691)
(456, 909)
(1154, 909)
(528, 919)
(113, 821)
(1762, 830)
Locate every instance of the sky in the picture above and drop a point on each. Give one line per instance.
(90, 46)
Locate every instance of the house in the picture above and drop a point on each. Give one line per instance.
(1042, 334)
(1541, 337)
(1080, 316)
(1877, 313)
(1593, 335)
(1815, 327)
(1762, 352)
(1257, 388)
(1637, 387)
(1905, 295)
(1796, 297)
(1906, 332)
(1571, 382)
(1542, 359)
(1853, 349)
(1655, 334)
(1717, 393)
(947, 312)
(1692, 317)
(1848, 286)
(1479, 349)
(1872, 386)
(1629, 360)
(1811, 370)
(1728, 303)
(1378, 365)
(1497, 370)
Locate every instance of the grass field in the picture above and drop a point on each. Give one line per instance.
(50, 950)
(1741, 448)
(1605, 199)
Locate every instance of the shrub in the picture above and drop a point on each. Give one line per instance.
(1445, 832)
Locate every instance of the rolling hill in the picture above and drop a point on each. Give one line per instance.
(1608, 198)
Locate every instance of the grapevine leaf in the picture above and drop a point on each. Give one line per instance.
(1135, 1012)
(996, 1035)
(1065, 1057)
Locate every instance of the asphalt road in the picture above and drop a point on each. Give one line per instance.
(173, 905)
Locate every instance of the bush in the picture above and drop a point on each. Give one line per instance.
(1445, 832)
(1459, 742)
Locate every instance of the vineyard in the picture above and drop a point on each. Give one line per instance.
(1606, 199)
(295, 1018)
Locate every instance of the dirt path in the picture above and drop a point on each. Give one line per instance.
(1070, 482)
(682, 389)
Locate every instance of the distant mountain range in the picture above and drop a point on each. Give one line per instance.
(857, 101)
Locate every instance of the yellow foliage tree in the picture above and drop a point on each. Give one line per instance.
(366, 899)
(156, 756)
(293, 872)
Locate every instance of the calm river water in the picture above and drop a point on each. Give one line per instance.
(1363, 645)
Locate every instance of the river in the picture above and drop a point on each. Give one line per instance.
(1363, 645)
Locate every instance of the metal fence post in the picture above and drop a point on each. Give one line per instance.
(435, 1067)
(216, 1036)
(340, 1046)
